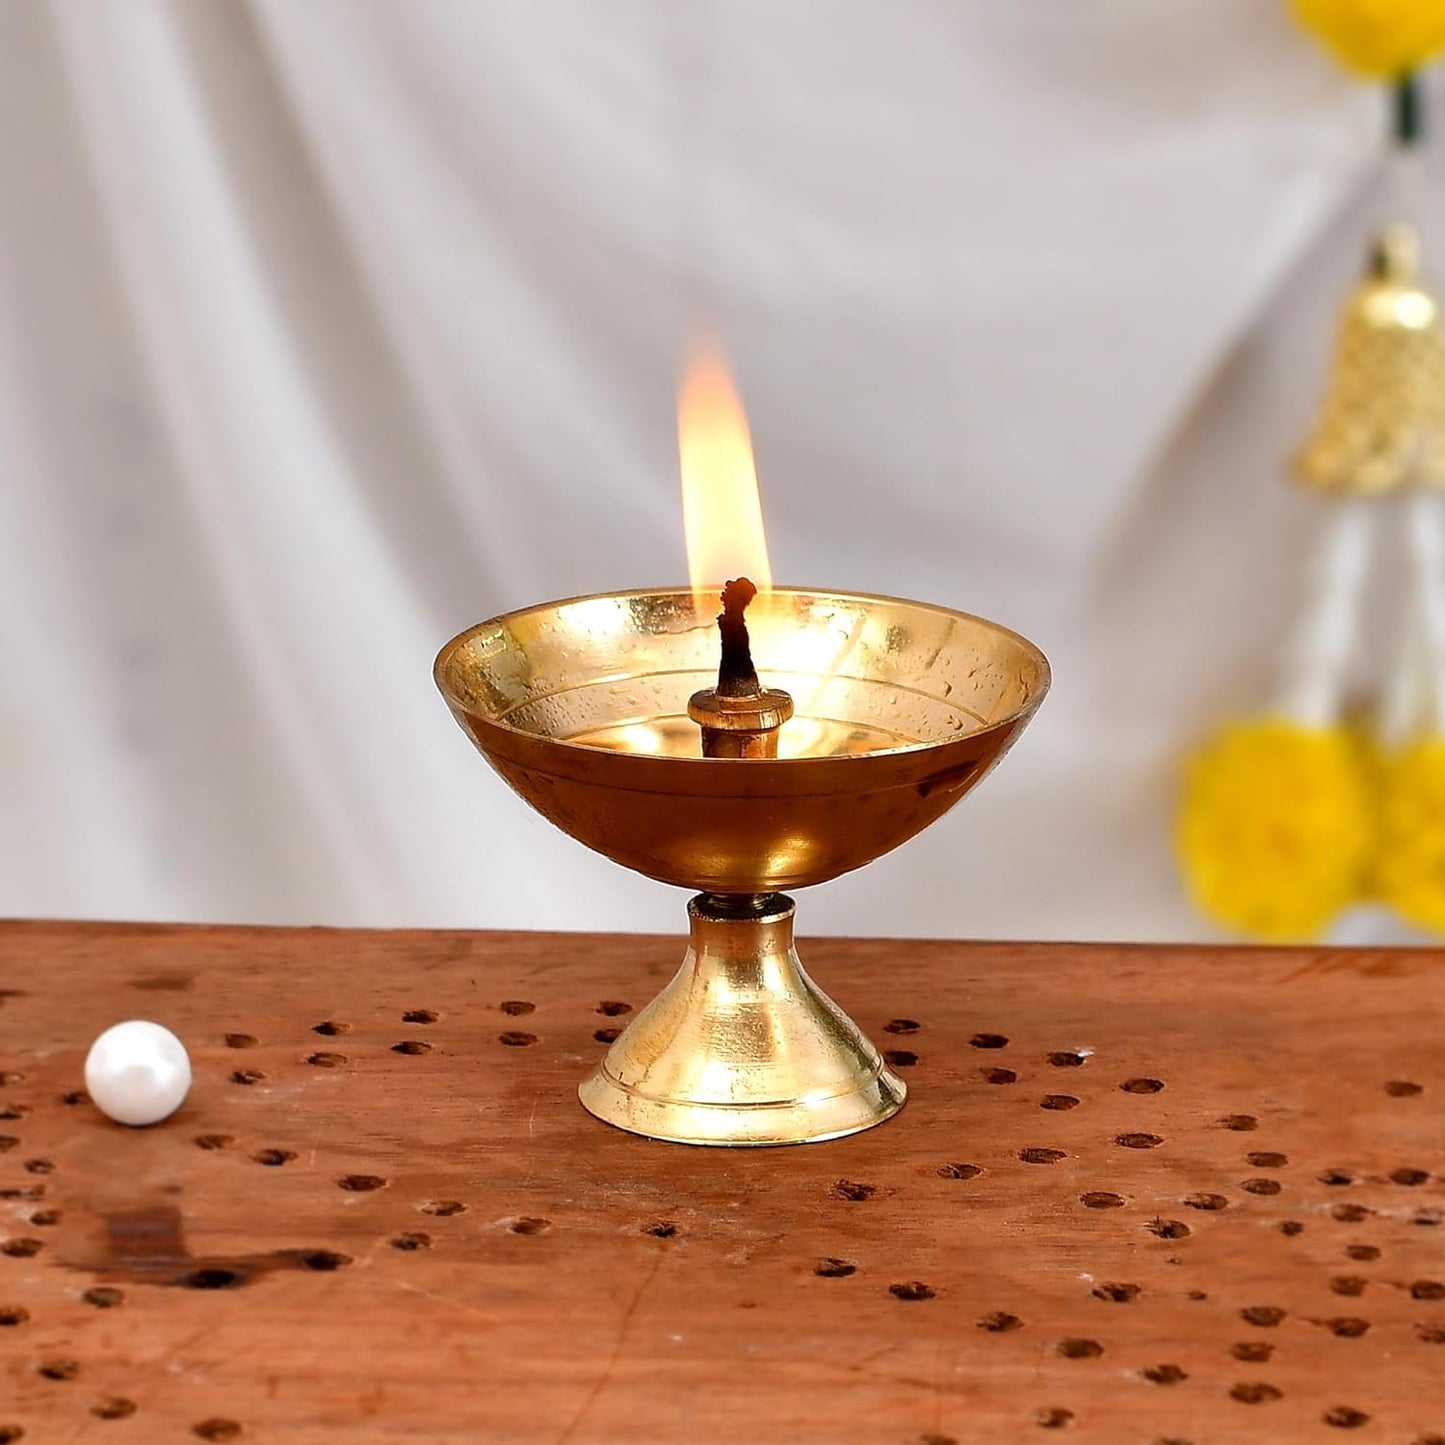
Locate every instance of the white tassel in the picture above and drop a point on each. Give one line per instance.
(1403, 704)
(1426, 536)
(1319, 652)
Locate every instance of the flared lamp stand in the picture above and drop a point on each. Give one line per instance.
(742, 1047)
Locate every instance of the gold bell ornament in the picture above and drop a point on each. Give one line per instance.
(1291, 817)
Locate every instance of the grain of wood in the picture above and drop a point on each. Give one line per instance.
(438, 1245)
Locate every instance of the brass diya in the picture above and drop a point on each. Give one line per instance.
(899, 709)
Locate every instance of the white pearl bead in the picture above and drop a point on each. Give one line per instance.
(137, 1072)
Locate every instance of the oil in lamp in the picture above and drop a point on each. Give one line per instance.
(835, 727)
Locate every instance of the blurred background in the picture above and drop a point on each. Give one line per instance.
(329, 328)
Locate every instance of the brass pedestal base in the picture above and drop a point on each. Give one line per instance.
(741, 1048)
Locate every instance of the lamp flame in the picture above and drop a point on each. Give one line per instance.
(722, 512)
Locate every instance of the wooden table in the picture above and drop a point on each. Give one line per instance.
(1137, 1194)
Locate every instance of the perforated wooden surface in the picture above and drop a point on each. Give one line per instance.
(1150, 1195)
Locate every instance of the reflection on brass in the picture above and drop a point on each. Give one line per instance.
(1382, 423)
(899, 709)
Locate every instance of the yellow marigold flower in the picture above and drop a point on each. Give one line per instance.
(1383, 39)
(1277, 828)
(1412, 855)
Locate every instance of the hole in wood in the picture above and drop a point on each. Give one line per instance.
(1403, 1089)
(13, 1111)
(999, 1076)
(214, 1141)
(60, 1369)
(1142, 1086)
(614, 1008)
(1074, 1349)
(1053, 1417)
(331, 1028)
(13, 1314)
(607, 1036)
(116, 1407)
(1266, 1159)
(1241, 1123)
(989, 1041)
(1336, 1178)
(412, 1046)
(39, 1166)
(217, 1429)
(830, 1268)
(1430, 1334)
(8, 1142)
(1347, 1328)
(360, 1183)
(530, 1224)
(103, 1297)
(1350, 1213)
(1345, 1417)
(10, 1433)
(663, 1229)
(420, 1016)
(1101, 1199)
(1362, 1251)
(516, 1007)
(959, 1171)
(1263, 1187)
(247, 1076)
(1428, 1217)
(1119, 1294)
(324, 1261)
(1409, 1177)
(210, 1277)
(1252, 1352)
(1348, 1284)
(900, 1058)
(1059, 1102)
(46, 1218)
(1208, 1202)
(1291, 1227)
(273, 1158)
(1196, 1294)
(22, 1247)
(1263, 1317)
(1138, 1141)
(442, 1208)
(913, 1289)
(1255, 1393)
(852, 1191)
(1067, 1059)
(74, 1097)
(516, 1039)
(411, 1241)
(1041, 1156)
(241, 1041)
(324, 1060)
(1427, 1289)
(1164, 1374)
(1000, 1322)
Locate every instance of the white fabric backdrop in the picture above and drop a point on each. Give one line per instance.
(328, 327)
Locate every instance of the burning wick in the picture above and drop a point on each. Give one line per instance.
(736, 675)
(739, 717)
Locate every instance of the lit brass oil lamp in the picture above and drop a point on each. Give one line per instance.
(877, 717)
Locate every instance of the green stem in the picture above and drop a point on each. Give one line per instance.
(1409, 111)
